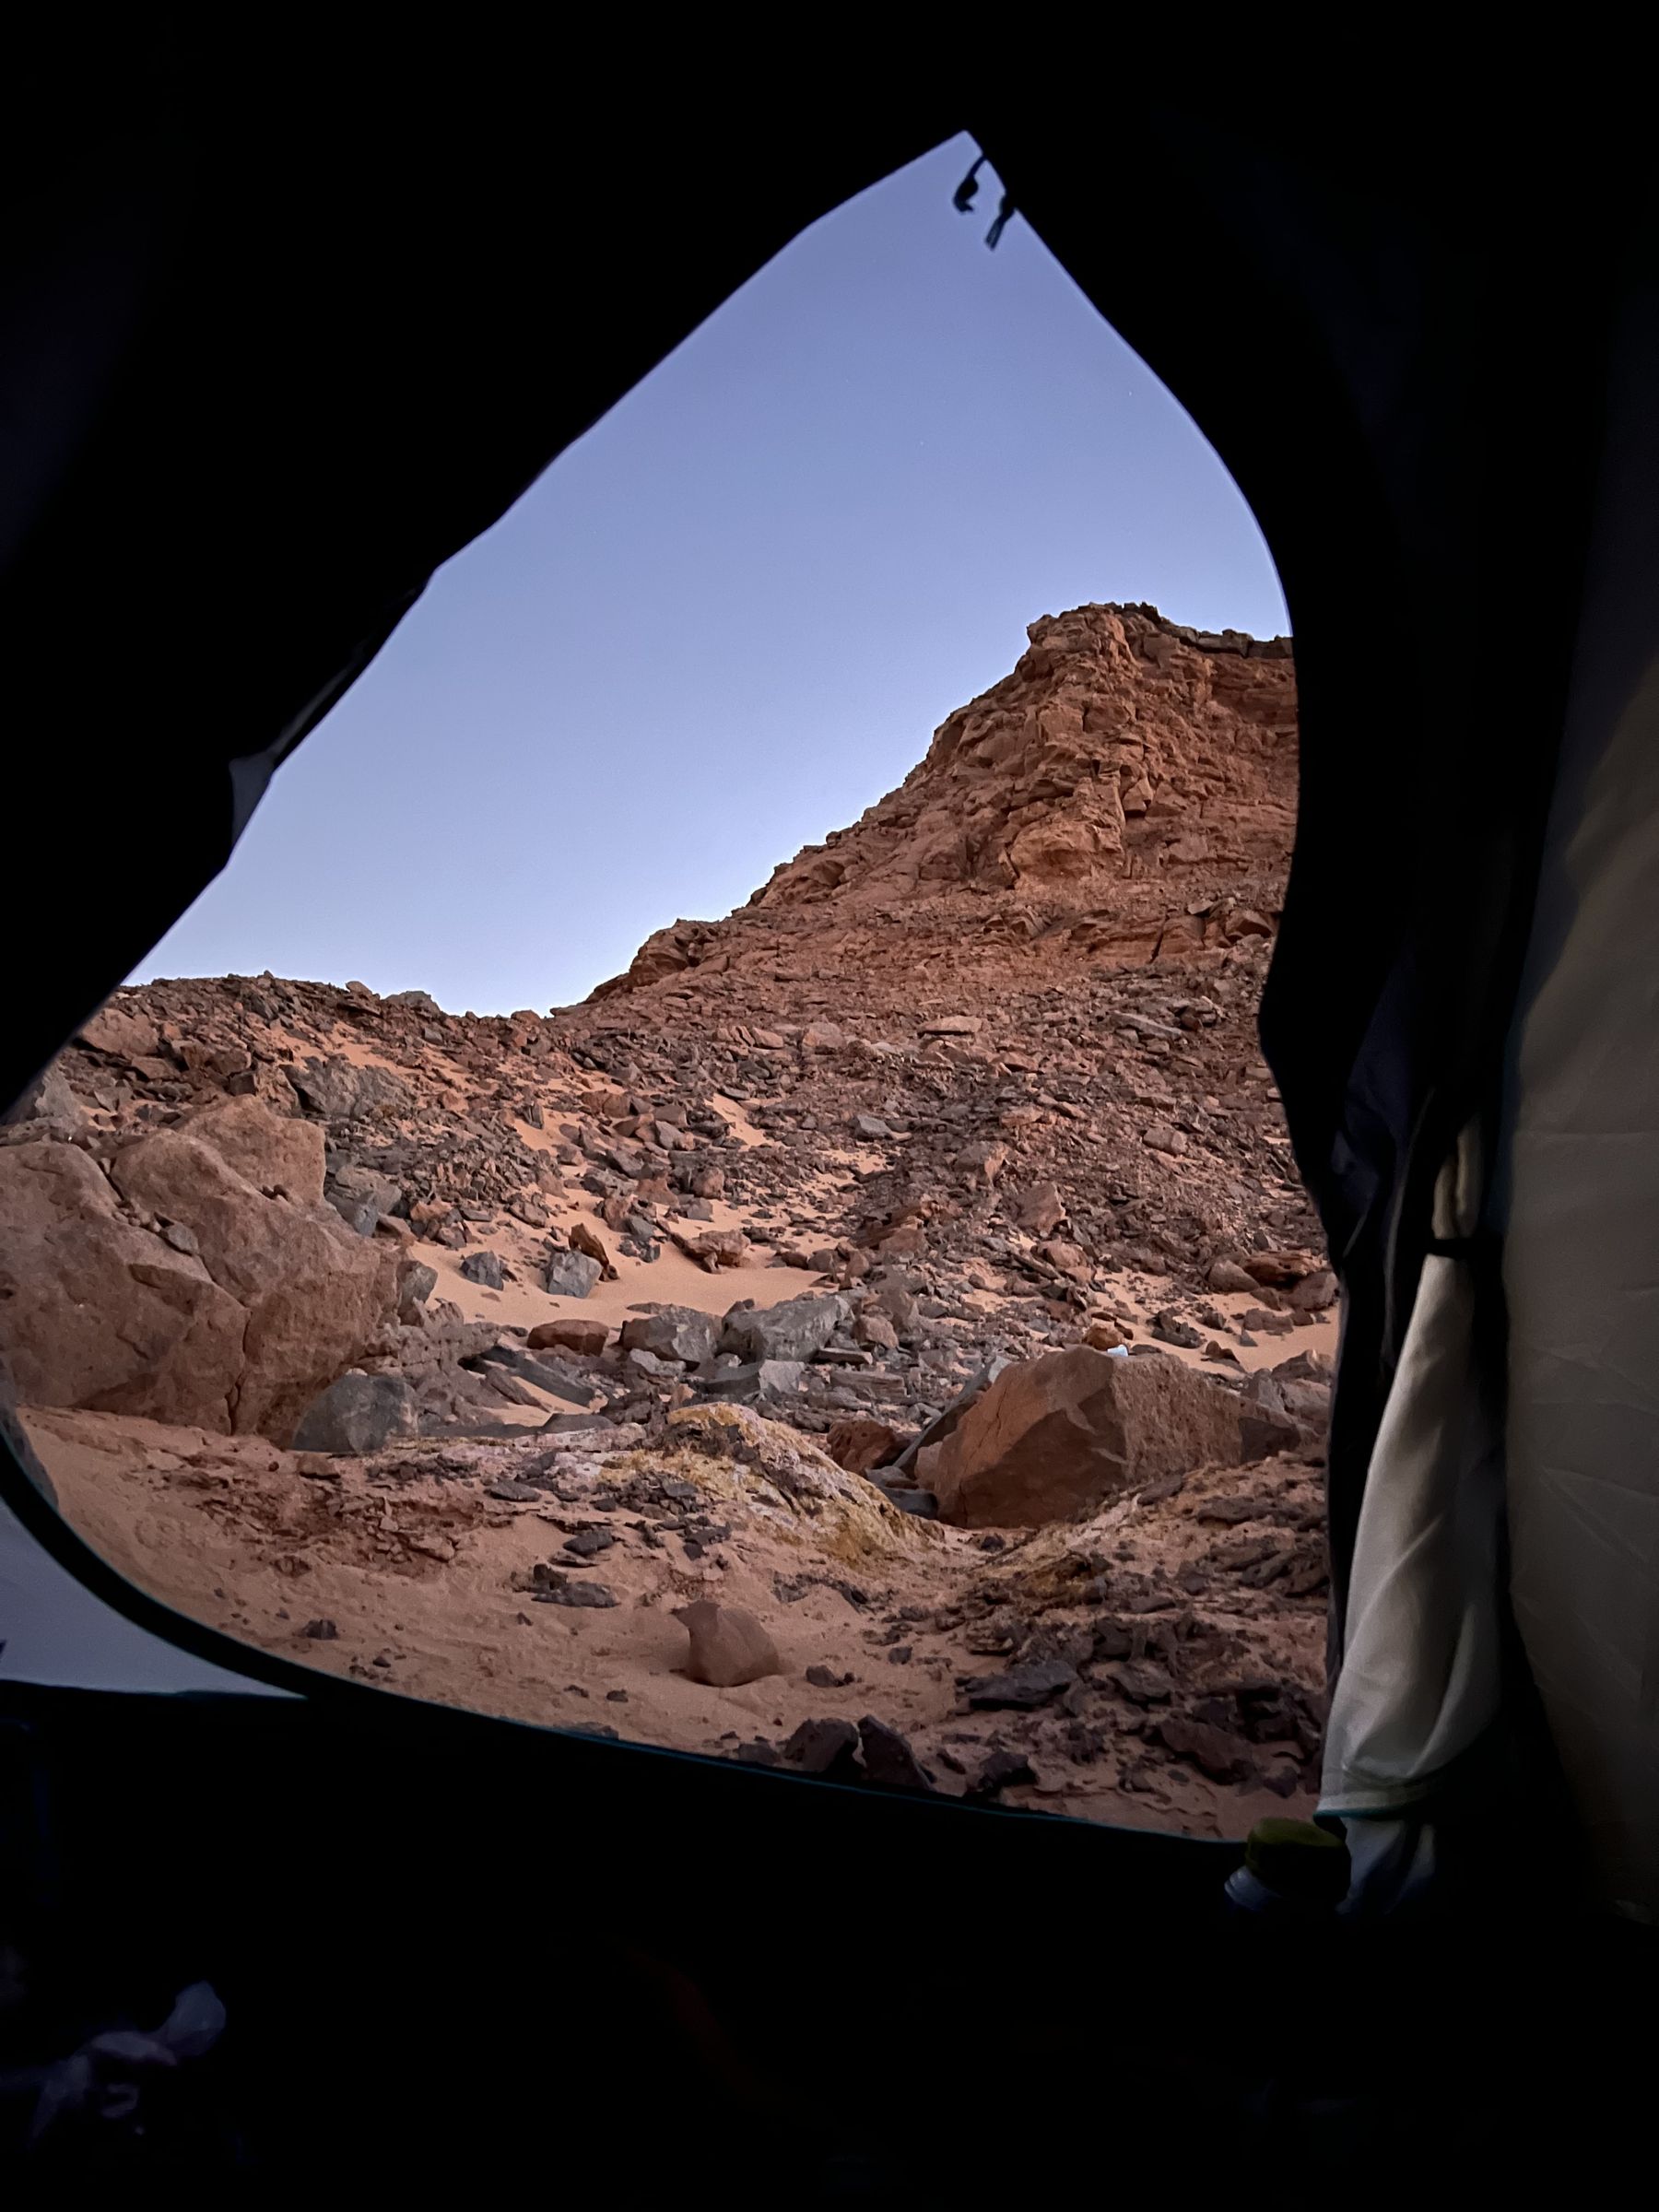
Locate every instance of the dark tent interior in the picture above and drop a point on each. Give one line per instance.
(283, 330)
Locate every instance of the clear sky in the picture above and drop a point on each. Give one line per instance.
(731, 617)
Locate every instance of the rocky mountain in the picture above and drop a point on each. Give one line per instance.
(909, 1266)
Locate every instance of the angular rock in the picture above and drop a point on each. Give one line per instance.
(341, 1091)
(1002, 1771)
(571, 1274)
(1040, 1209)
(1062, 1434)
(794, 1330)
(674, 1333)
(1021, 1688)
(889, 1763)
(825, 1746)
(50, 1099)
(862, 1443)
(416, 1283)
(484, 1267)
(121, 1033)
(278, 1153)
(728, 1645)
(589, 1337)
(358, 1415)
(1169, 1328)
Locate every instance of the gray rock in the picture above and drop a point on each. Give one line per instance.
(558, 1383)
(889, 1763)
(824, 1746)
(423, 1000)
(415, 1282)
(340, 1093)
(1021, 1688)
(572, 1274)
(358, 1415)
(50, 1099)
(1169, 1328)
(793, 1329)
(362, 1198)
(778, 1379)
(673, 1333)
(483, 1267)
(577, 1593)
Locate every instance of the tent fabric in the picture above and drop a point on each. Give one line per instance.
(1422, 1678)
(55, 1631)
(1580, 1247)
(283, 330)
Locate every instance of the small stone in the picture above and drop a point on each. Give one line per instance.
(589, 1543)
(323, 1631)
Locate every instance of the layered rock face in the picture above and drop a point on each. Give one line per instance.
(1129, 789)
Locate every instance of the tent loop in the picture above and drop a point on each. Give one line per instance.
(962, 199)
(1004, 216)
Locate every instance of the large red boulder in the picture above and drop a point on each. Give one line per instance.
(1062, 1434)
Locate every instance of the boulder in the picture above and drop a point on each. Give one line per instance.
(483, 1267)
(1316, 1292)
(231, 1315)
(572, 1336)
(1226, 1275)
(1040, 1209)
(278, 1153)
(860, 1444)
(728, 1645)
(572, 1274)
(95, 1311)
(121, 1034)
(794, 1330)
(1063, 1433)
(674, 1333)
(358, 1415)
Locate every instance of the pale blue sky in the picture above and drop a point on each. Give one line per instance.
(732, 616)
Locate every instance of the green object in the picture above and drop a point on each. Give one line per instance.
(1298, 1860)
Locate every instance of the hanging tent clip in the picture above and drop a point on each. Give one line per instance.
(963, 198)
(1004, 216)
